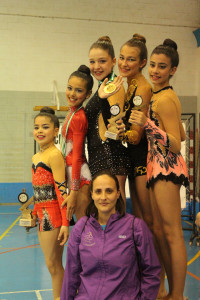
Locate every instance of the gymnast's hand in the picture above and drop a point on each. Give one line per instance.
(137, 118)
(121, 128)
(71, 204)
(118, 81)
(63, 235)
(34, 221)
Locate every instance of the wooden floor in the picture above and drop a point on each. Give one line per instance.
(23, 274)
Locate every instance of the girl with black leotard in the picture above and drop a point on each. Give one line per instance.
(105, 153)
(132, 60)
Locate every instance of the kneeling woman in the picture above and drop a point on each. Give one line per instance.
(110, 253)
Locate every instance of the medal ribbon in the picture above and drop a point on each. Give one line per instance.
(63, 141)
(112, 76)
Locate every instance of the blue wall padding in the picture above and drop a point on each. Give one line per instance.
(9, 191)
(197, 36)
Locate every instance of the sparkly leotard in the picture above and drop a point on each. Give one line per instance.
(108, 154)
(48, 199)
(161, 162)
(77, 169)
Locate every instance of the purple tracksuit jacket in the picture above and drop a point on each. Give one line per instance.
(103, 264)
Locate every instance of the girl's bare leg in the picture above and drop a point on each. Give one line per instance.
(160, 249)
(162, 290)
(53, 257)
(169, 235)
(82, 201)
(142, 208)
(140, 199)
(122, 180)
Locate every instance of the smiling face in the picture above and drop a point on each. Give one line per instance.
(160, 70)
(76, 91)
(129, 62)
(44, 131)
(105, 195)
(101, 63)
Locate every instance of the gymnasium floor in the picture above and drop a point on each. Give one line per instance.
(23, 274)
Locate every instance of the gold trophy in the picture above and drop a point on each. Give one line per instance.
(112, 131)
(26, 219)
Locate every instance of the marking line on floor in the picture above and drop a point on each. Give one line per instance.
(9, 228)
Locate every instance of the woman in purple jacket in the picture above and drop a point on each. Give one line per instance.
(110, 254)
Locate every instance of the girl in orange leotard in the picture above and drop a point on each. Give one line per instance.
(166, 168)
(48, 178)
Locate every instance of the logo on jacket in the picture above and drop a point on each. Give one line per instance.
(122, 236)
(88, 239)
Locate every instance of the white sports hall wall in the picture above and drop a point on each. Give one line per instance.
(45, 40)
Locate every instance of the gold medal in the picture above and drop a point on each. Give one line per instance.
(109, 88)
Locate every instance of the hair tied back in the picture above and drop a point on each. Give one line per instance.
(139, 38)
(170, 43)
(47, 110)
(84, 69)
(105, 39)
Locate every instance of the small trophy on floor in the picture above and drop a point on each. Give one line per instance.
(26, 219)
(197, 222)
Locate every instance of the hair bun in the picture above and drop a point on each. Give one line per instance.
(48, 110)
(84, 69)
(104, 38)
(138, 37)
(170, 43)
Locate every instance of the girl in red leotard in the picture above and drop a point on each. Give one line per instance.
(79, 88)
(48, 169)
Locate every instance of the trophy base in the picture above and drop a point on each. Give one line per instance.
(26, 222)
(111, 135)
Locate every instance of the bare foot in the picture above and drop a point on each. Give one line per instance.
(162, 293)
(167, 297)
